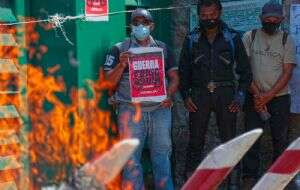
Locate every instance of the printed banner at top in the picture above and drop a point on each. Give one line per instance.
(147, 75)
(96, 10)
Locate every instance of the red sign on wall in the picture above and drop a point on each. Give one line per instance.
(96, 10)
(147, 75)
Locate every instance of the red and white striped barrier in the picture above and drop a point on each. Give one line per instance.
(99, 172)
(108, 166)
(283, 170)
(218, 164)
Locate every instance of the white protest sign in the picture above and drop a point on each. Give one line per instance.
(147, 75)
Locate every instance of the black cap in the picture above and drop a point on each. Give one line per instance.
(272, 9)
(139, 12)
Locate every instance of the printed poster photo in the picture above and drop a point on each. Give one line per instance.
(96, 10)
(147, 75)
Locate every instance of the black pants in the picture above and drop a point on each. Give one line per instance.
(279, 108)
(226, 121)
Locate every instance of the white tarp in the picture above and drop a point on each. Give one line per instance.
(243, 15)
(295, 33)
(240, 15)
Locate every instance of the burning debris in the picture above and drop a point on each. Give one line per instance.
(99, 172)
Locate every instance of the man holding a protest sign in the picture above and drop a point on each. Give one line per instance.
(144, 76)
(214, 76)
(272, 58)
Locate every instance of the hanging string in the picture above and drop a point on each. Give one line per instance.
(58, 20)
(81, 16)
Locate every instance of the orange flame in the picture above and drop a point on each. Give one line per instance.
(10, 126)
(61, 135)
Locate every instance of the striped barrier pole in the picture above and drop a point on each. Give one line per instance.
(283, 170)
(109, 165)
(218, 164)
(11, 167)
(99, 172)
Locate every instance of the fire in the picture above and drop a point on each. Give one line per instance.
(62, 136)
(10, 149)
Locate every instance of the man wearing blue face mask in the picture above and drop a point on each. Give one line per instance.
(155, 122)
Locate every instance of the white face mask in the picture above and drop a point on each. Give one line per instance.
(140, 32)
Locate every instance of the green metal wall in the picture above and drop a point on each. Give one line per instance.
(163, 20)
(93, 39)
(58, 48)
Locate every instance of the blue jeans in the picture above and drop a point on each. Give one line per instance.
(156, 127)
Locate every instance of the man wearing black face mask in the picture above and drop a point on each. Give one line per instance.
(272, 58)
(211, 57)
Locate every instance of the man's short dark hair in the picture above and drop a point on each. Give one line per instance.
(207, 3)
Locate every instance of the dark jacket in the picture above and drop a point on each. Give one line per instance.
(223, 60)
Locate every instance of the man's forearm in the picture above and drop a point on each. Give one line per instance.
(174, 82)
(114, 75)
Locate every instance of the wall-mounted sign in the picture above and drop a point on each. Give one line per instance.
(96, 10)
